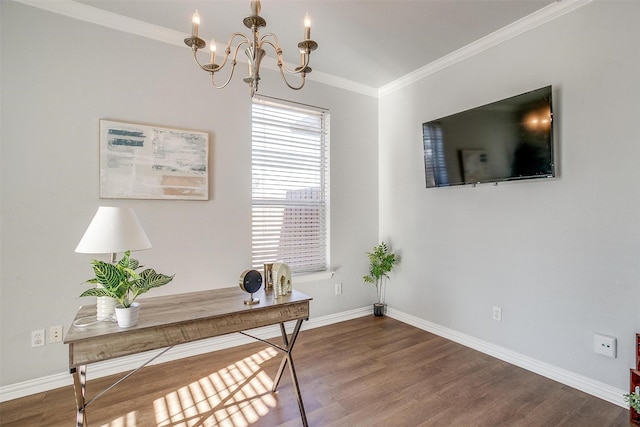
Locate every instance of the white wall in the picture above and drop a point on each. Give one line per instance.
(560, 257)
(59, 77)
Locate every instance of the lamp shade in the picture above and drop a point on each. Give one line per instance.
(112, 230)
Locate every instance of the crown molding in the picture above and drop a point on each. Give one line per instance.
(342, 83)
(94, 15)
(529, 22)
(125, 24)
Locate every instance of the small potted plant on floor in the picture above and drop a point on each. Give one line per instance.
(121, 282)
(381, 262)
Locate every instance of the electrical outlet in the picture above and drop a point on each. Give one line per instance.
(605, 345)
(55, 334)
(497, 314)
(37, 338)
(338, 288)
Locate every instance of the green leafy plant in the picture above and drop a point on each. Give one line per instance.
(633, 399)
(381, 262)
(121, 282)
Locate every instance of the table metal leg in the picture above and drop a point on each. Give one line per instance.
(288, 359)
(79, 388)
(283, 362)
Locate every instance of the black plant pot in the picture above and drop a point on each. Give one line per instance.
(378, 309)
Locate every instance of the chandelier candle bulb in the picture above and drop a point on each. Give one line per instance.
(196, 23)
(255, 7)
(307, 26)
(212, 48)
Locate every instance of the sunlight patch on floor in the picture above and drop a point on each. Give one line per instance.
(235, 395)
(128, 420)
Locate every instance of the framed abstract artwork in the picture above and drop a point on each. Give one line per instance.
(152, 162)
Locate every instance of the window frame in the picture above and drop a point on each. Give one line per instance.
(296, 135)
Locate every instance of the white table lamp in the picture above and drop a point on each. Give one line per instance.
(112, 230)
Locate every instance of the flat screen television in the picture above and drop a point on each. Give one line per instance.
(507, 140)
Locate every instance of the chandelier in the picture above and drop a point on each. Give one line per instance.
(253, 48)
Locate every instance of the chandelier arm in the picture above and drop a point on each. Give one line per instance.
(300, 69)
(278, 50)
(284, 78)
(195, 58)
(233, 67)
(227, 51)
(265, 37)
(211, 68)
(224, 62)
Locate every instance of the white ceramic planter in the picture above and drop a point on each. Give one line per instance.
(128, 316)
(105, 309)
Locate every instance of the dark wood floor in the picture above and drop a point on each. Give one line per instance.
(364, 372)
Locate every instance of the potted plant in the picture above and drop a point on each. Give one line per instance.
(121, 282)
(381, 262)
(633, 399)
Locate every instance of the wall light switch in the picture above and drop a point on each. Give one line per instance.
(55, 334)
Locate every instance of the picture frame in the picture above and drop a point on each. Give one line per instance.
(475, 165)
(152, 162)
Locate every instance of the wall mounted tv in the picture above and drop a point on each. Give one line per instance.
(507, 140)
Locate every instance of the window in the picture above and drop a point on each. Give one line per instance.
(434, 158)
(290, 185)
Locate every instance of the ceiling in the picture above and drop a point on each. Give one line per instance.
(372, 42)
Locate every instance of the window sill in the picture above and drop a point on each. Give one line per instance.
(312, 277)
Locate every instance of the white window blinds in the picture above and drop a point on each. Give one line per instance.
(434, 159)
(290, 185)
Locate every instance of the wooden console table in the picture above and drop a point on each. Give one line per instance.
(177, 319)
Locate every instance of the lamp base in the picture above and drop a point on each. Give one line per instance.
(105, 309)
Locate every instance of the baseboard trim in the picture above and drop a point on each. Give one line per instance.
(563, 376)
(125, 364)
